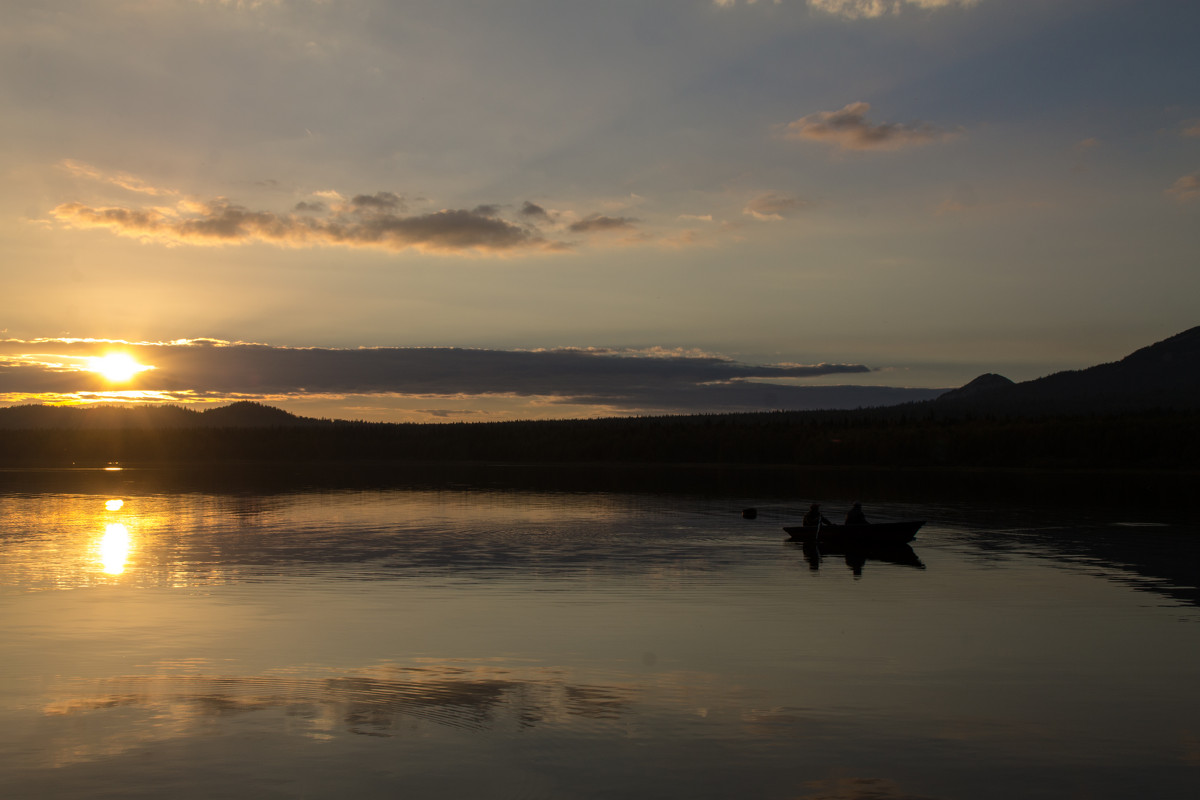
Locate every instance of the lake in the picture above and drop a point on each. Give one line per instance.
(435, 634)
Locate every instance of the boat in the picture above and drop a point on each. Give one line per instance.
(872, 534)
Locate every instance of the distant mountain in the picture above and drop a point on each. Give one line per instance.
(1165, 375)
(246, 414)
(242, 414)
(983, 386)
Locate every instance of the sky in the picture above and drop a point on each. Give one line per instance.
(457, 210)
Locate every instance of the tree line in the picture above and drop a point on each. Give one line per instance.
(896, 437)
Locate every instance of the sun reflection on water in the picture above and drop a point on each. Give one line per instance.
(116, 543)
(115, 546)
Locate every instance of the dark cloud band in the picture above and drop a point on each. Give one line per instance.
(616, 379)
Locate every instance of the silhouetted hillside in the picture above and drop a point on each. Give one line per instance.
(983, 386)
(242, 414)
(245, 414)
(1165, 375)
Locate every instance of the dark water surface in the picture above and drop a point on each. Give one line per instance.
(482, 637)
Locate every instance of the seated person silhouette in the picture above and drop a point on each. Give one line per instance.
(855, 515)
(814, 516)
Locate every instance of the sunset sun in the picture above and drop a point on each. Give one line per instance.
(117, 367)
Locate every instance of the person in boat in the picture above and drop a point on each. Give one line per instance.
(814, 516)
(855, 515)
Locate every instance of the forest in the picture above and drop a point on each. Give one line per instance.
(903, 436)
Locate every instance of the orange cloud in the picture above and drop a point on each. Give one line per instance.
(1186, 188)
(849, 129)
(122, 179)
(773, 206)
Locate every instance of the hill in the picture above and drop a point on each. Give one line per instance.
(246, 414)
(242, 414)
(1164, 375)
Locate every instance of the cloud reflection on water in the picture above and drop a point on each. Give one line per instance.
(383, 701)
(858, 789)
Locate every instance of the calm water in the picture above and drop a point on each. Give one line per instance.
(439, 639)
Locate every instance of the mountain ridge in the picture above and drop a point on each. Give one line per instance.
(1163, 375)
(241, 414)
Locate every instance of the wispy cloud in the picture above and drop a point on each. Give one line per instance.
(123, 180)
(773, 206)
(601, 222)
(1186, 188)
(625, 380)
(870, 9)
(849, 129)
(859, 9)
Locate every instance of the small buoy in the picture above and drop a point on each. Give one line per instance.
(749, 513)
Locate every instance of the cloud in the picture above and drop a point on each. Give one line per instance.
(648, 380)
(121, 179)
(849, 129)
(870, 9)
(862, 9)
(1192, 130)
(534, 211)
(1186, 188)
(380, 201)
(328, 218)
(365, 221)
(599, 222)
(461, 695)
(772, 206)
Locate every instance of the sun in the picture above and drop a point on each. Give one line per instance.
(117, 367)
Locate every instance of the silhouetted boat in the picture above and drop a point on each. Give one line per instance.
(870, 535)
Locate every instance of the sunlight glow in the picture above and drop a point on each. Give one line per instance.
(115, 547)
(113, 505)
(116, 367)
